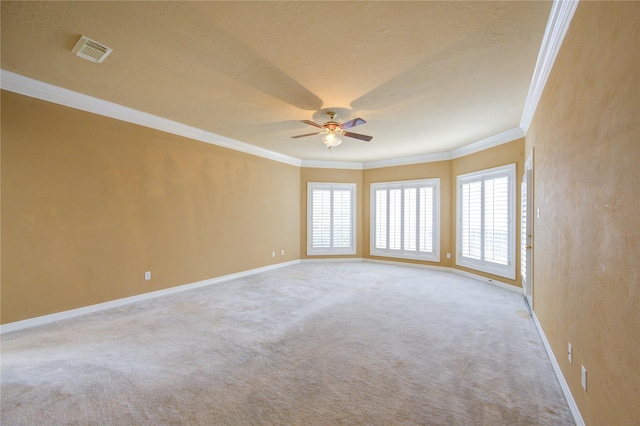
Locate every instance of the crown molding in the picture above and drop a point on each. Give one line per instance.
(490, 142)
(48, 92)
(321, 164)
(405, 161)
(561, 14)
(560, 17)
(37, 89)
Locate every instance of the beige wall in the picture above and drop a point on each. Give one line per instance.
(509, 153)
(441, 170)
(90, 203)
(586, 135)
(334, 176)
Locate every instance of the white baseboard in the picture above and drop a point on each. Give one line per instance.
(332, 260)
(58, 316)
(412, 265)
(577, 417)
(491, 281)
(454, 270)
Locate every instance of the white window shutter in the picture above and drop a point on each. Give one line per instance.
(410, 219)
(486, 230)
(331, 218)
(496, 208)
(395, 219)
(426, 219)
(321, 218)
(404, 219)
(472, 220)
(341, 219)
(380, 219)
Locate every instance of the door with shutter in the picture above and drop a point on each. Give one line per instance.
(526, 230)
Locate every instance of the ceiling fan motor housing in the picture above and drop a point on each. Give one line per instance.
(332, 127)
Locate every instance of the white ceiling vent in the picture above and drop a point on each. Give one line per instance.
(91, 50)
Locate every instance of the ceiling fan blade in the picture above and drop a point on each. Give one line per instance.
(302, 136)
(358, 136)
(311, 123)
(353, 123)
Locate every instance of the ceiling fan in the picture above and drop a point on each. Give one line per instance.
(332, 131)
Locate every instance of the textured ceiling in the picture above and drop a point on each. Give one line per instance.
(428, 77)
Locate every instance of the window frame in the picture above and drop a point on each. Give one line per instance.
(506, 271)
(328, 251)
(434, 255)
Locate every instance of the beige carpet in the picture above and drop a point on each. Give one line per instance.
(311, 344)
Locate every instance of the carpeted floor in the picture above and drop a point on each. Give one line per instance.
(311, 344)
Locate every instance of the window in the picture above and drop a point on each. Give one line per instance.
(405, 219)
(485, 221)
(331, 212)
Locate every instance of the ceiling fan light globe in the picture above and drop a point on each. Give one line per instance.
(331, 139)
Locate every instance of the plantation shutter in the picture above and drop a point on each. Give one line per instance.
(404, 219)
(331, 218)
(426, 218)
(496, 221)
(523, 234)
(381, 219)
(395, 220)
(410, 218)
(485, 228)
(321, 218)
(341, 219)
(472, 220)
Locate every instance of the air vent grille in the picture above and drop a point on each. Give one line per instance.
(91, 50)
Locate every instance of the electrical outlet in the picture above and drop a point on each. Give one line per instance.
(147, 275)
(282, 252)
(448, 255)
(570, 353)
(273, 254)
(584, 378)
